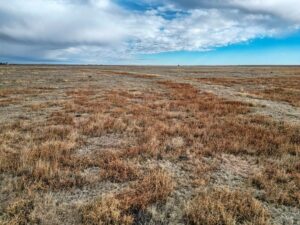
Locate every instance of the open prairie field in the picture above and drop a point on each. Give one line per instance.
(149, 145)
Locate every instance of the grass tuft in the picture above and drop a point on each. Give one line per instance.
(105, 211)
(224, 207)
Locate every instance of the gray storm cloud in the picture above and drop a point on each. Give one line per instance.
(101, 31)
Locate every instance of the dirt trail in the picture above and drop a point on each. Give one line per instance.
(278, 110)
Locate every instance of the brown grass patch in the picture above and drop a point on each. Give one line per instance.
(280, 181)
(60, 118)
(154, 187)
(117, 170)
(18, 212)
(129, 74)
(124, 208)
(205, 123)
(106, 210)
(224, 126)
(43, 154)
(288, 95)
(284, 88)
(220, 206)
(99, 124)
(280, 81)
(8, 92)
(9, 101)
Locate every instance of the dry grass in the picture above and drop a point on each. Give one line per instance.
(100, 124)
(105, 211)
(224, 126)
(60, 118)
(117, 170)
(284, 88)
(40, 154)
(9, 101)
(124, 208)
(291, 82)
(7, 92)
(129, 74)
(95, 134)
(18, 212)
(224, 207)
(280, 181)
(154, 187)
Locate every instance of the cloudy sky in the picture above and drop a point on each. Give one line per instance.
(201, 32)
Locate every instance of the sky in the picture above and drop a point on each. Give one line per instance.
(150, 32)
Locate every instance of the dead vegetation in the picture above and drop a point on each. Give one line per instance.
(106, 210)
(126, 207)
(117, 170)
(153, 187)
(41, 155)
(85, 137)
(221, 206)
(18, 212)
(281, 88)
(129, 74)
(224, 126)
(280, 181)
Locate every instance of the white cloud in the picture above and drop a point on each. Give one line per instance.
(61, 22)
(286, 9)
(206, 29)
(100, 31)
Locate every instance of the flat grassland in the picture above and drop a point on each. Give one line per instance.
(149, 145)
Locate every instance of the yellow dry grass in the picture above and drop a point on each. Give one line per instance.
(224, 207)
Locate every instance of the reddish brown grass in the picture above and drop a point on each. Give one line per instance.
(117, 170)
(221, 126)
(284, 88)
(154, 187)
(129, 74)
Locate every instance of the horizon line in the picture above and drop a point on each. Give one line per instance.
(154, 65)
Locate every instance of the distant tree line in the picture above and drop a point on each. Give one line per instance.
(3, 63)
